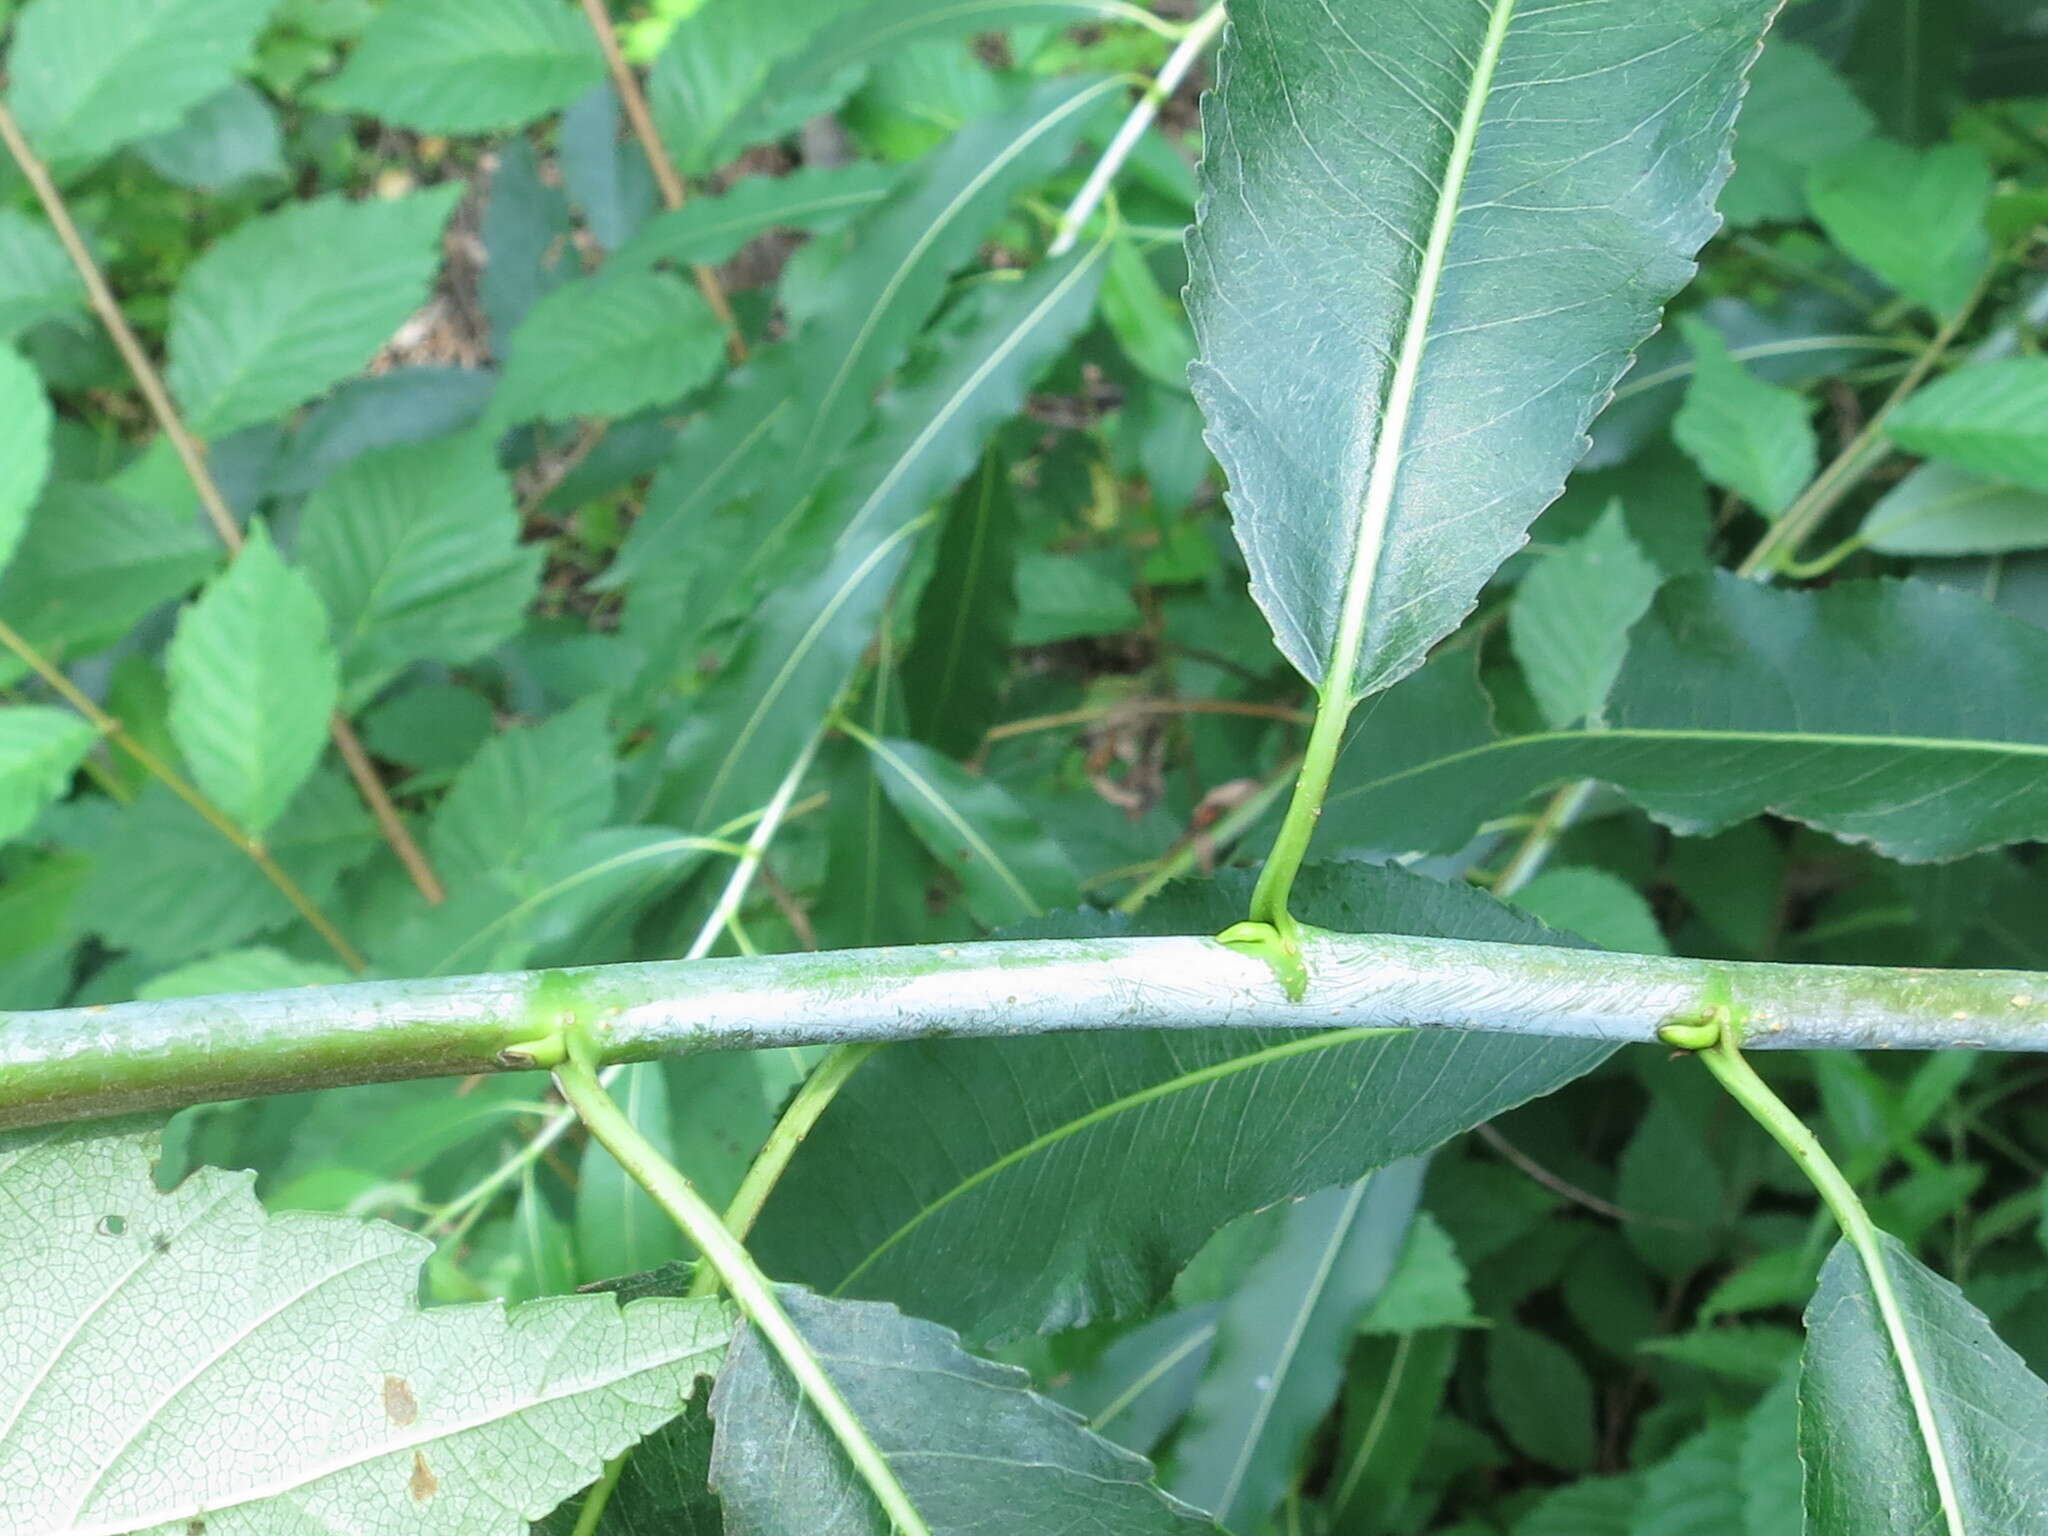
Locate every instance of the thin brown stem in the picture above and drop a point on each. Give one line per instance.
(666, 177)
(192, 454)
(158, 769)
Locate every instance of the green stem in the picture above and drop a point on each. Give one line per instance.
(818, 1090)
(1311, 785)
(600, 1495)
(742, 1277)
(1735, 1074)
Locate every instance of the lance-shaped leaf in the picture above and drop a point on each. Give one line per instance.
(1969, 1457)
(180, 1361)
(1900, 714)
(953, 672)
(973, 1446)
(1431, 236)
(712, 228)
(938, 1154)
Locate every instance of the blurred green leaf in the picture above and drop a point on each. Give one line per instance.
(467, 66)
(1988, 417)
(1570, 617)
(1914, 217)
(229, 138)
(37, 282)
(1750, 436)
(40, 748)
(607, 345)
(954, 669)
(1798, 113)
(1541, 1397)
(1941, 510)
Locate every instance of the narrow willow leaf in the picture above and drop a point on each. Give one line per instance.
(467, 66)
(1281, 1345)
(1570, 617)
(1008, 869)
(1391, 1401)
(1419, 269)
(87, 76)
(619, 1228)
(37, 282)
(953, 672)
(277, 1372)
(937, 1154)
(1989, 417)
(1941, 510)
(1138, 1388)
(1870, 1466)
(25, 423)
(779, 427)
(1148, 325)
(973, 1446)
(40, 748)
(293, 301)
(1748, 435)
(740, 736)
(415, 551)
(608, 345)
(253, 679)
(1900, 714)
(1914, 217)
(709, 229)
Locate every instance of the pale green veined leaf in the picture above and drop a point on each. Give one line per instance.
(1427, 246)
(25, 423)
(663, 1490)
(999, 1145)
(1898, 714)
(1744, 433)
(87, 76)
(1914, 217)
(608, 345)
(293, 301)
(40, 748)
(1941, 510)
(37, 282)
(1569, 619)
(1976, 1465)
(526, 791)
(1988, 417)
(415, 551)
(253, 680)
(973, 1446)
(709, 229)
(1007, 867)
(468, 66)
(1282, 1342)
(275, 1373)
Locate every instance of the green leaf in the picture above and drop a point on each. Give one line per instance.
(253, 681)
(1148, 325)
(467, 66)
(1870, 1470)
(1941, 510)
(40, 748)
(619, 1228)
(1695, 1491)
(276, 1373)
(25, 423)
(1392, 1398)
(415, 551)
(1892, 713)
(1989, 417)
(954, 670)
(1065, 597)
(1008, 869)
(1593, 1506)
(1914, 217)
(1541, 1396)
(1672, 1184)
(261, 969)
(973, 1446)
(1570, 617)
(527, 790)
(1756, 1354)
(1797, 113)
(1281, 1344)
(714, 67)
(936, 1155)
(608, 346)
(1750, 436)
(818, 199)
(1427, 1289)
(91, 75)
(1138, 1388)
(1392, 414)
(37, 282)
(662, 1491)
(294, 301)
(230, 137)
(1596, 905)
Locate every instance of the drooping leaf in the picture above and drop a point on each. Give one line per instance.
(468, 66)
(953, 672)
(1797, 113)
(709, 229)
(37, 282)
(874, 891)
(1008, 869)
(998, 1146)
(415, 551)
(1148, 324)
(87, 76)
(229, 138)
(1892, 713)
(527, 233)
(1749, 435)
(1870, 1459)
(1941, 510)
(1989, 417)
(293, 301)
(1914, 217)
(1281, 1344)
(1393, 412)
(608, 345)
(1570, 617)
(253, 679)
(25, 423)
(40, 747)
(276, 1371)
(972, 1445)
(1907, 59)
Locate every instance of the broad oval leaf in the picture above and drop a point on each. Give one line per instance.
(40, 748)
(1989, 417)
(467, 66)
(607, 345)
(1430, 237)
(276, 1374)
